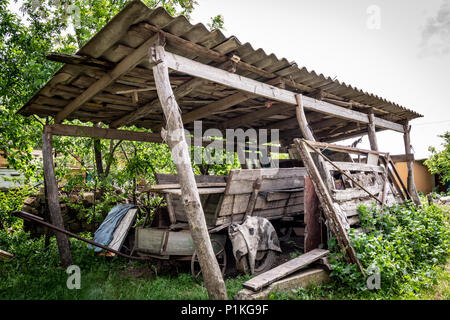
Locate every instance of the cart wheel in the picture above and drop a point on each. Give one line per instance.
(264, 261)
(221, 257)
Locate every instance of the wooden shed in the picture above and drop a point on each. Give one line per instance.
(121, 78)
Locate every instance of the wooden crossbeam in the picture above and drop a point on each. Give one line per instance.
(216, 107)
(196, 69)
(124, 66)
(146, 109)
(102, 133)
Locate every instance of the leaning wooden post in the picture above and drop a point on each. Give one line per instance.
(175, 138)
(410, 165)
(53, 199)
(372, 132)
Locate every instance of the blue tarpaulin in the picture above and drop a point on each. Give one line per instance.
(105, 232)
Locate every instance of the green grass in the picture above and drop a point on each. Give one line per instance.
(34, 273)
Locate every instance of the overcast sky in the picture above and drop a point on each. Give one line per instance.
(404, 58)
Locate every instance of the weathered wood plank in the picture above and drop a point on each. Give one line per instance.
(354, 166)
(200, 191)
(355, 193)
(103, 133)
(159, 187)
(265, 279)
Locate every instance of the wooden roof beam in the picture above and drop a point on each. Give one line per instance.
(155, 104)
(196, 69)
(121, 68)
(102, 133)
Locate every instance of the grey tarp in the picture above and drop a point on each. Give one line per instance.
(254, 234)
(105, 232)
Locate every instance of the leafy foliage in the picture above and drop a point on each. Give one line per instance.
(439, 162)
(25, 40)
(406, 244)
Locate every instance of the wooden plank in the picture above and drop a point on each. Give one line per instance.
(197, 69)
(121, 68)
(335, 147)
(275, 196)
(159, 187)
(402, 157)
(372, 159)
(165, 178)
(200, 191)
(265, 279)
(245, 186)
(122, 230)
(270, 214)
(78, 60)
(238, 203)
(354, 166)
(103, 133)
(5, 255)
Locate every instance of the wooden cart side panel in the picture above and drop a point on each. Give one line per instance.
(164, 178)
(241, 181)
(238, 203)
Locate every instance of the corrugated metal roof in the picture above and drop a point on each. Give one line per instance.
(119, 37)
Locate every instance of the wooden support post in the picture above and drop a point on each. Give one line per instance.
(308, 135)
(371, 132)
(53, 199)
(175, 138)
(301, 118)
(410, 165)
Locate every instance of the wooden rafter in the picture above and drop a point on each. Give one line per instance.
(125, 65)
(148, 108)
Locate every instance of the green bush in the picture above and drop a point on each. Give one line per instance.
(405, 243)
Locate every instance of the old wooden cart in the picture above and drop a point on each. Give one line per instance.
(277, 194)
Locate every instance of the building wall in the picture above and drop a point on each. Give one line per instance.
(423, 179)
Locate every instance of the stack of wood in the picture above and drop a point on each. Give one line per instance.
(68, 202)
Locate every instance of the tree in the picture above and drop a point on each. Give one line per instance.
(439, 162)
(48, 25)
